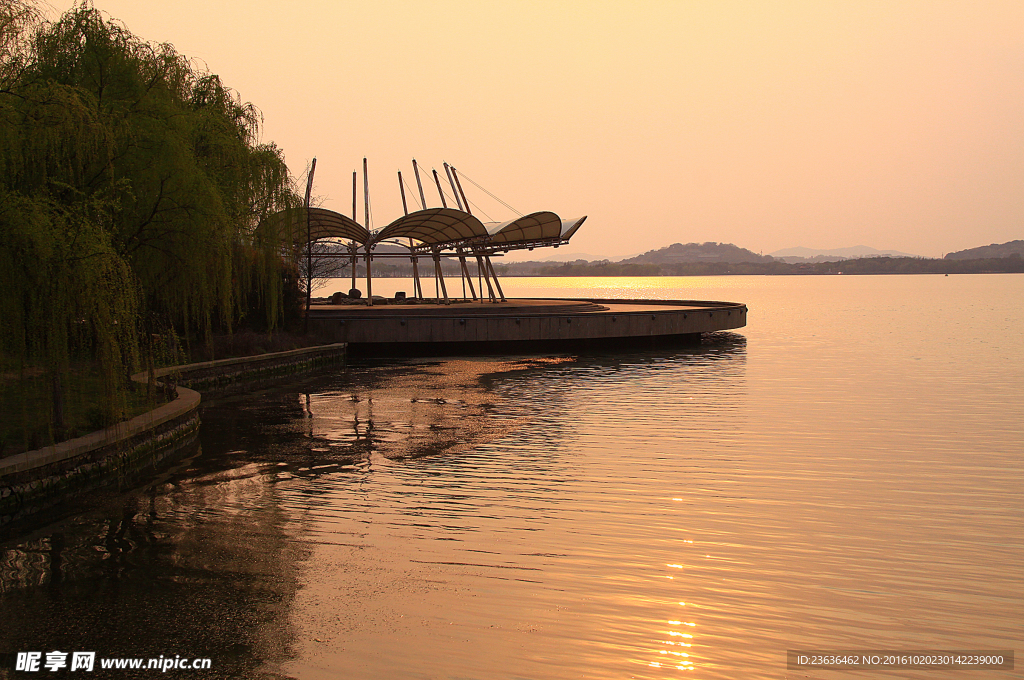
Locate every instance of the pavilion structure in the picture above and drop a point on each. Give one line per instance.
(428, 234)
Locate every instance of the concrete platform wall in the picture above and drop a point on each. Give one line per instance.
(446, 325)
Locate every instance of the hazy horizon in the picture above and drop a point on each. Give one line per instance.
(826, 125)
(568, 254)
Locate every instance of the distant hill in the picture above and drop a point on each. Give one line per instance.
(560, 255)
(698, 252)
(795, 259)
(801, 254)
(572, 257)
(1008, 249)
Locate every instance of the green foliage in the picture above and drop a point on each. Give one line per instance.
(132, 186)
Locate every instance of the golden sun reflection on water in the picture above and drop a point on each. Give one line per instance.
(682, 661)
(674, 653)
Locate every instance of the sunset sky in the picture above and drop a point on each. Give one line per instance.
(897, 125)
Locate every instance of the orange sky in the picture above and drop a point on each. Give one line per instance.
(898, 125)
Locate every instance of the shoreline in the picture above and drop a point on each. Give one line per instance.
(33, 481)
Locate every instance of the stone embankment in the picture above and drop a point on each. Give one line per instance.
(35, 480)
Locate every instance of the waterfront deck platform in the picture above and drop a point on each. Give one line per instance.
(524, 324)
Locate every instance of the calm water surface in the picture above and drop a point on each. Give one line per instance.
(847, 472)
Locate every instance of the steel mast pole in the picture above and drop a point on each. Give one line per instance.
(448, 171)
(481, 272)
(444, 289)
(438, 273)
(466, 275)
(486, 277)
(417, 289)
(494, 274)
(439, 277)
(459, 185)
(440, 192)
(354, 247)
(405, 208)
(366, 223)
(416, 171)
(309, 245)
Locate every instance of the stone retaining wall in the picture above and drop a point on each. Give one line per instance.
(35, 480)
(226, 374)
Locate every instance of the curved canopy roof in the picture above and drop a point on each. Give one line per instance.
(569, 227)
(538, 226)
(434, 226)
(323, 224)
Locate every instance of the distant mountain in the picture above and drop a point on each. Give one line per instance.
(559, 256)
(1008, 249)
(795, 259)
(697, 252)
(556, 256)
(839, 253)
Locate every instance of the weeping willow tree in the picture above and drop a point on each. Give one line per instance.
(132, 189)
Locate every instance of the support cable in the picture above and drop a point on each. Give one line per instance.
(422, 207)
(456, 200)
(481, 210)
(470, 180)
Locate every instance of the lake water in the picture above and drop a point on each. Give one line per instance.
(846, 472)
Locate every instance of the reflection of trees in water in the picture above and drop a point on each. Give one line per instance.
(421, 408)
(201, 566)
(337, 422)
